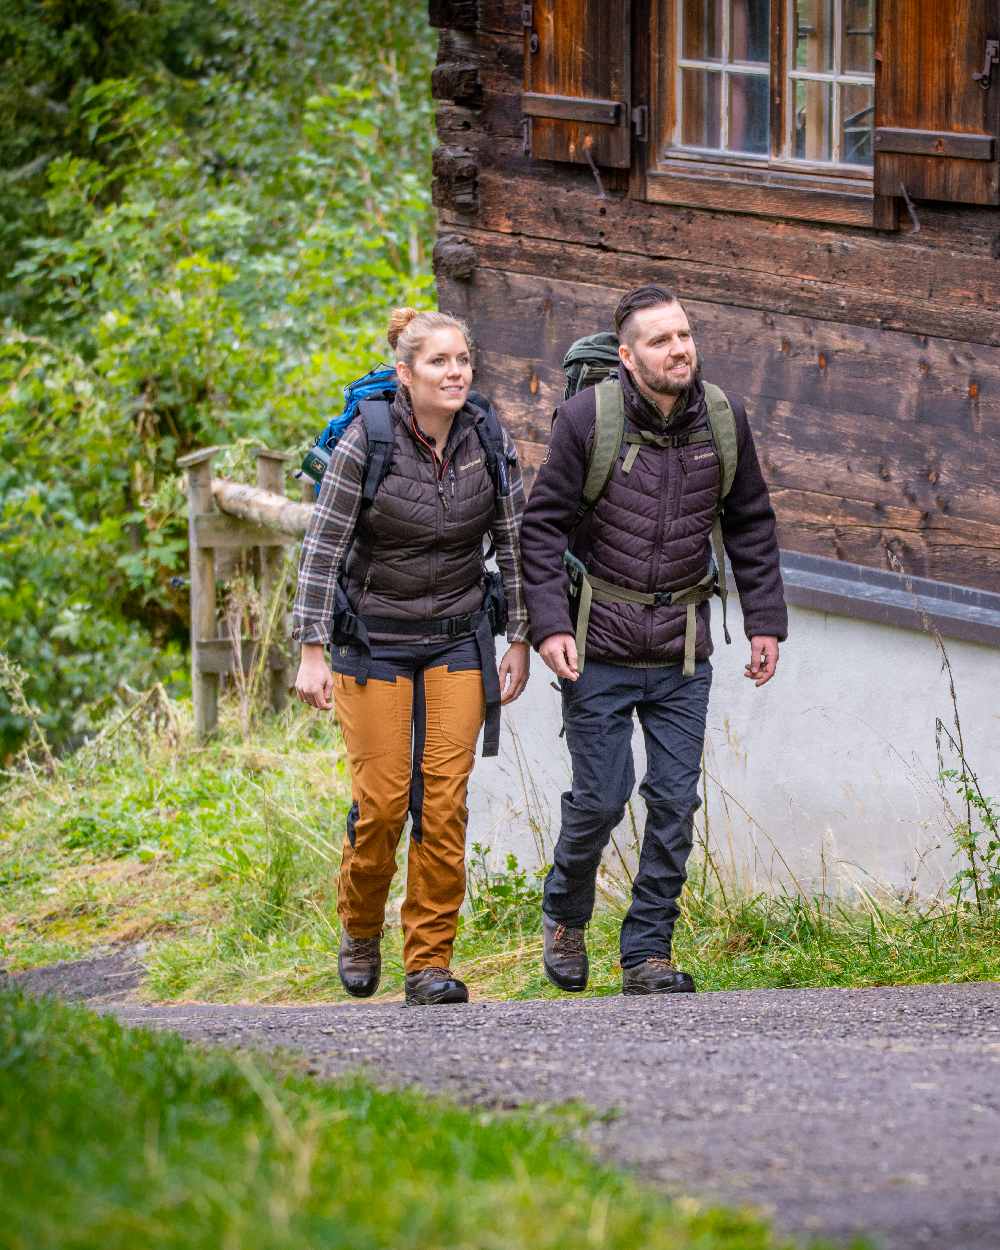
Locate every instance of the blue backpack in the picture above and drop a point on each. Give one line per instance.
(371, 397)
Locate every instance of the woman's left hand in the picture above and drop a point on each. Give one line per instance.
(514, 671)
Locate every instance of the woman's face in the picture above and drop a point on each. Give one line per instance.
(441, 373)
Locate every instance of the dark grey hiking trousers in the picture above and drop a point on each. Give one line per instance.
(598, 713)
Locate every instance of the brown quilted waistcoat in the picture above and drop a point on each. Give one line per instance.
(650, 531)
(418, 550)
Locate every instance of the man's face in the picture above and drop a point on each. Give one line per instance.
(661, 352)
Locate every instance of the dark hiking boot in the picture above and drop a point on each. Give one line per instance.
(656, 976)
(565, 955)
(360, 964)
(431, 986)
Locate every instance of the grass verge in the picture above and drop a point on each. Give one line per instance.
(117, 1138)
(222, 859)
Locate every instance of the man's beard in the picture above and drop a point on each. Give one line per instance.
(664, 386)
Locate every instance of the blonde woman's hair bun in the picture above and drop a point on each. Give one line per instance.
(399, 319)
(408, 328)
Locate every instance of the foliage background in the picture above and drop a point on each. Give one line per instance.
(206, 210)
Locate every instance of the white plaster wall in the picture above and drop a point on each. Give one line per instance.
(829, 773)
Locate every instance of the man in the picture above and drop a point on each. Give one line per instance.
(645, 544)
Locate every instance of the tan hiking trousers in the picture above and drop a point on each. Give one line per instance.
(411, 746)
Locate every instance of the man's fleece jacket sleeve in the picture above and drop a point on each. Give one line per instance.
(548, 518)
(748, 531)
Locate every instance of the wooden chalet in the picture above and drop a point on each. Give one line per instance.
(819, 181)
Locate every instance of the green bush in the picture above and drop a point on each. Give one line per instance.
(222, 239)
(507, 900)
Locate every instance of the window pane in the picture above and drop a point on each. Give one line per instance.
(701, 110)
(814, 34)
(857, 110)
(749, 113)
(750, 31)
(859, 37)
(703, 30)
(813, 121)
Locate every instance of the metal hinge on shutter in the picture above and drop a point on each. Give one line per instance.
(985, 76)
(528, 21)
(640, 122)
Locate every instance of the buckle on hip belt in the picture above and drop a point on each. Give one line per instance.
(663, 598)
(459, 625)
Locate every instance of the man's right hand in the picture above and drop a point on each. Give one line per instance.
(314, 680)
(558, 651)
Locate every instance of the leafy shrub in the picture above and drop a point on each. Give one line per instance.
(223, 236)
(507, 899)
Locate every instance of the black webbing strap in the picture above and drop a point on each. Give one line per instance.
(475, 623)
(491, 686)
(377, 417)
(348, 628)
(442, 627)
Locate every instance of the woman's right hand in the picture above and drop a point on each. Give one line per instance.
(314, 680)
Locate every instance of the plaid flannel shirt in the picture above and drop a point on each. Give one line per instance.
(331, 528)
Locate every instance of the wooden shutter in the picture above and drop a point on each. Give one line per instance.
(936, 127)
(577, 80)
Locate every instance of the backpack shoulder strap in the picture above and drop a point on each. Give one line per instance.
(490, 434)
(376, 415)
(722, 419)
(723, 423)
(609, 430)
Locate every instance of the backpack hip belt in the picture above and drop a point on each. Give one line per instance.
(588, 588)
(477, 624)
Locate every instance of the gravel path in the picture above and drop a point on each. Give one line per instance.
(837, 1111)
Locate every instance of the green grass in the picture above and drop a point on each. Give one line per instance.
(112, 1138)
(222, 859)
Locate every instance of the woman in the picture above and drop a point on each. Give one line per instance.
(396, 589)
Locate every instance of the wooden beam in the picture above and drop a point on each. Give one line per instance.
(265, 508)
(204, 685)
(454, 257)
(969, 147)
(572, 108)
(271, 479)
(214, 529)
(456, 80)
(459, 14)
(217, 655)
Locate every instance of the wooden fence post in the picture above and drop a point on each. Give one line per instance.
(271, 477)
(204, 685)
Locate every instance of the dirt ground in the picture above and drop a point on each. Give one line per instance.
(839, 1112)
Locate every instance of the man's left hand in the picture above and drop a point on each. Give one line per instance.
(763, 660)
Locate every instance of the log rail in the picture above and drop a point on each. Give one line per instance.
(233, 515)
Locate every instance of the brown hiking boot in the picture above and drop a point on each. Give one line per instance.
(360, 964)
(565, 955)
(431, 986)
(656, 975)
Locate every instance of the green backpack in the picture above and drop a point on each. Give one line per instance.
(588, 363)
(590, 360)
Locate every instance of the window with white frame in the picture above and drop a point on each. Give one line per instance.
(723, 87)
(774, 81)
(831, 81)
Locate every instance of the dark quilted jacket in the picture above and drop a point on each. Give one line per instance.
(418, 550)
(650, 531)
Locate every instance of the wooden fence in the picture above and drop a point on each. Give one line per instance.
(224, 515)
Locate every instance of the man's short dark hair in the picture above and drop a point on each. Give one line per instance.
(648, 296)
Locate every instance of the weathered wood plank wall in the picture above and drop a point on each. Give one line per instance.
(870, 361)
